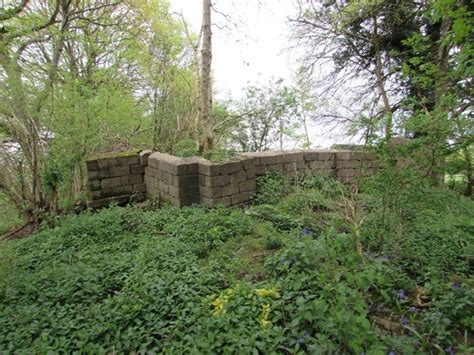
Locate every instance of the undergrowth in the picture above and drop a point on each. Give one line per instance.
(297, 272)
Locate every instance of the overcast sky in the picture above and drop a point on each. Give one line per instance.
(251, 46)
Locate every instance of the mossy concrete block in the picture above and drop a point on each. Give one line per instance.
(93, 175)
(111, 182)
(137, 169)
(92, 165)
(120, 170)
(107, 163)
(94, 185)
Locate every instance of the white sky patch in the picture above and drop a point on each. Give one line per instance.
(251, 46)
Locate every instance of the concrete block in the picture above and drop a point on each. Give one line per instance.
(120, 170)
(167, 178)
(137, 169)
(344, 155)
(274, 167)
(188, 201)
(143, 157)
(251, 173)
(321, 164)
(130, 160)
(139, 188)
(291, 156)
(295, 166)
(173, 167)
(248, 164)
(349, 164)
(237, 177)
(230, 189)
(103, 173)
(111, 182)
(92, 165)
(94, 185)
(193, 168)
(117, 191)
(185, 180)
(326, 156)
(163, 186)
(107, 163)
(125, 180)
(153, 161)
(344, 173)
(120, 200)
(249, 186)
(180, 192)
(310, 155)
(210, 192)
(214, 202)
(231, 167)
(241, 197)
(122, 190)
(93, 175)
(136, 179)
(205, 167)
(260, 170)
(216, 181)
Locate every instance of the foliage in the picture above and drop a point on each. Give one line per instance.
(285, 276)
(76, 77)
(9, 217)
(269, 115)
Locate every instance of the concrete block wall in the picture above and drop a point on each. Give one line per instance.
(229, 183)
(115, 177)
(172, 179)
(352, 165)
(187, 181)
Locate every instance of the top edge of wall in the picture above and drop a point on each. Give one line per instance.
(113, 154)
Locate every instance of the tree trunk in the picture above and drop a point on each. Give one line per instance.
(442, 66)
(381, 82)
(206, 85)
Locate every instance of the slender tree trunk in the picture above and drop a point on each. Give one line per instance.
(206, 85)
(442, 65)
(469, 172)
(381, 82)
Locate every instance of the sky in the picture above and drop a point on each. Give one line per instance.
(248, 45)
(251, 44)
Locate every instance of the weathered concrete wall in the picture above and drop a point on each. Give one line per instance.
(229, 183)
(115, 177)
(187, 181)
(172, 179)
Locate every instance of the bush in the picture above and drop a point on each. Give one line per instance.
(294, 276)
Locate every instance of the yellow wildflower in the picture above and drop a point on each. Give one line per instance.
(265, 292)
(264, 322)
